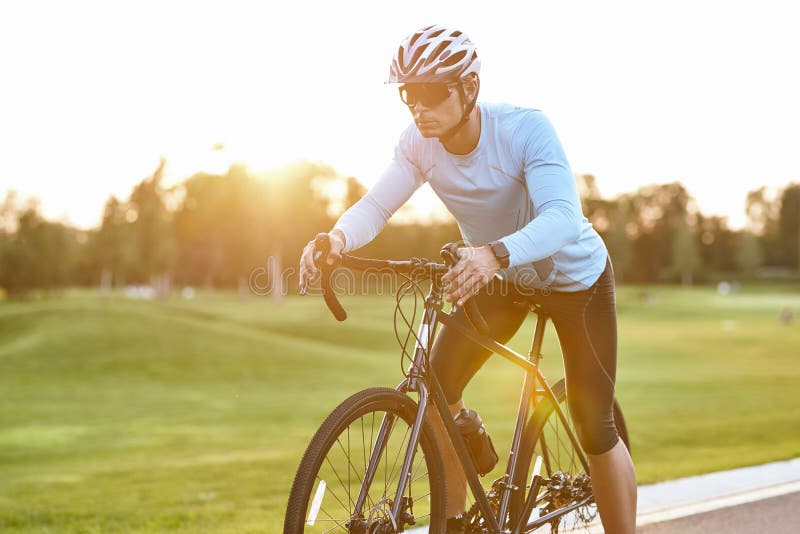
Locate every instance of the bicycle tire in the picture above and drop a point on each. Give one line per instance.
(562, 457)
(373, 403)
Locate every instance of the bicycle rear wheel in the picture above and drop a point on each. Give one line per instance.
(546, 437)
(330, 475)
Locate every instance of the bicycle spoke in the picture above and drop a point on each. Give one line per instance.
(340, 482)
(546, 455)
(422, 497)
(420, 477)
(349, 463)
(419, 460)
(349, 496)
(400, 449)
(385, 461)
(349, 509)
(361, 420)
(560, 454)
(371, 430)
(338, 524)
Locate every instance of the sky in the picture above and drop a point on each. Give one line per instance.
(92, 94)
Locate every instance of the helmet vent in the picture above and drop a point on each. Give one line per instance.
(455, 58)
(436, 53)
(414, 39)
(417, 53)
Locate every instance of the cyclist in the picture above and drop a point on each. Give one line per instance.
(501, 171)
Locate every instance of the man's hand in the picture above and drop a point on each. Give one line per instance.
(311, 256)
(473, 271)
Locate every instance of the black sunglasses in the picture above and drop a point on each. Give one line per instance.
(429, 95)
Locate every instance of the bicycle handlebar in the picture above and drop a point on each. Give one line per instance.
(449, 253)
(322, 243)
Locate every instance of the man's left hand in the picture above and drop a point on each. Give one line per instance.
(474, 270)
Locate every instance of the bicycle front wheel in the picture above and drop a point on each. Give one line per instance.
(326, 488)
(562, 462)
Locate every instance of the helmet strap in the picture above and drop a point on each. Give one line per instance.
(449, 134)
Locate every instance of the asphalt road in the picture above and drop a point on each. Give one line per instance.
(775, 515)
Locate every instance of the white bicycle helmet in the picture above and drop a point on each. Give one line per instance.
(434, 54)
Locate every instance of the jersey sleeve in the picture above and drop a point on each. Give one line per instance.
(366, 218)
(558, 215)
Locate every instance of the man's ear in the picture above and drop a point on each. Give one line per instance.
(470, 84)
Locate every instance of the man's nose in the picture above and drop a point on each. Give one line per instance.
(416, 109)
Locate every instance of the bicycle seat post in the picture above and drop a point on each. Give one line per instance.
(535, 352)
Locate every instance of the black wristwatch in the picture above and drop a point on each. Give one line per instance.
(500, 252)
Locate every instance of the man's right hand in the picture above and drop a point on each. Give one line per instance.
(310, 258)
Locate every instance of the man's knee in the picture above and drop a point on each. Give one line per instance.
(597, 432)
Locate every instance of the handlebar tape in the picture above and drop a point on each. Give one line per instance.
(322, 244)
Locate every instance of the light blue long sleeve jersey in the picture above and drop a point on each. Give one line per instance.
(515, 186)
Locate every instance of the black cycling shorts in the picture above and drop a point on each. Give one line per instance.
(586, 324)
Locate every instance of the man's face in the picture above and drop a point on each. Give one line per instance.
(436, 107)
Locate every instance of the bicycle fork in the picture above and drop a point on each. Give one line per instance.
(425, 334)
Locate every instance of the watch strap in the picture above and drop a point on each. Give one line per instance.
(500, 252)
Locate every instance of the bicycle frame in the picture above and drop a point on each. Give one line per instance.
(424, 382)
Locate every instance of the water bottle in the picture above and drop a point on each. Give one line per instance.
(479, 444)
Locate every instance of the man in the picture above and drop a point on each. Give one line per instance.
(501, 171)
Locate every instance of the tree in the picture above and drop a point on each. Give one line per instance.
(197, 226)
(762, 213)
(589, 193)
(354, 192)
(612, 220)
(749, 256)
(297, 210)
(654, 213)
(685, 257)
(718, 244)
(151, 231)
(111, 247)
(762, 220)
(789, 225)
(38, 254)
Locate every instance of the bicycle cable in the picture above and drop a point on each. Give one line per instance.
(408, 286)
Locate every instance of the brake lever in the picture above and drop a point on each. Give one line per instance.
(451, 256)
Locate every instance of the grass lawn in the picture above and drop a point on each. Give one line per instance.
(191, 416)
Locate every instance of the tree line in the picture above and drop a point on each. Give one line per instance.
(219, 230)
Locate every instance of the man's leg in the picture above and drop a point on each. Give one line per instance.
(456, 480)
(614, 485)
(586, 323)
(455, 360)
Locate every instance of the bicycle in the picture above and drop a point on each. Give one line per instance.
(377, 459)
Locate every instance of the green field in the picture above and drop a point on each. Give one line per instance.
(129, 416)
